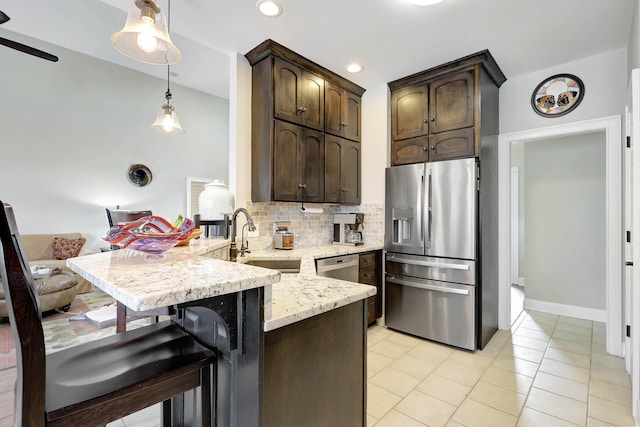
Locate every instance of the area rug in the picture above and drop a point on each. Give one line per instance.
(60, 332)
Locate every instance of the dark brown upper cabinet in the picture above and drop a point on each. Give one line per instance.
(342, 171)
(343, 112)
(445, 112)
(298, 95)
(296, 104)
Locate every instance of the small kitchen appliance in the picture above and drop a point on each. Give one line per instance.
(282, 237)
(346, 229)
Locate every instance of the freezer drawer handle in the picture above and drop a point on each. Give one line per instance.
(429, 263)
(323, 268)
(442, 289)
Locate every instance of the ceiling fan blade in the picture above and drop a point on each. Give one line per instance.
(3, 17)
(28, 49)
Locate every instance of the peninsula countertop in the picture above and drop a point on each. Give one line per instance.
(188, 274)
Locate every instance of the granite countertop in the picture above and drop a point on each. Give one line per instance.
(186, 274)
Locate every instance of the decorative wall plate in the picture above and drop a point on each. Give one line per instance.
(557, 95)
(139, 175)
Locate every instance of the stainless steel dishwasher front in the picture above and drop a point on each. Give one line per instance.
(344, 267)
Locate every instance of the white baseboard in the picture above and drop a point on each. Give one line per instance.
(566, 310)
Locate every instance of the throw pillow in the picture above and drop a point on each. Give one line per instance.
(67, 248)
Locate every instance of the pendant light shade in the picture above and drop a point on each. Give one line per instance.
(145, 35)
(167, 119)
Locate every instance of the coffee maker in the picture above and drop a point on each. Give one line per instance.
(346, 229)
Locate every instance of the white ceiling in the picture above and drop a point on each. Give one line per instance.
(391, 38)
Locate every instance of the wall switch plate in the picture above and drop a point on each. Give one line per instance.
(255, 233)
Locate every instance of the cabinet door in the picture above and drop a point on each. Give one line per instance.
(287, 168)
(298, 95)
(312, 156)
(409, 116)
(451, 101)
(342, 115)
(414, 150)
(452, 145)
(342, 171)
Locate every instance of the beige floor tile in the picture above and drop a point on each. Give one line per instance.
(453, 423)
(376, 361)
(371, 420)
(534, 325)
(523, 353)
(532, 343)
(498, 340)
(476, 414)
(370, 374)
(507, 379)
(562, 386)
(612, 376)
(380, 401)
(573, 337)
(592, 422)
(541, 317)
(389, 349)
(417, 368)
(396, 419)
(599, 328)
(532, 333)
(520, 366)
(563, 320)
(565, 370)
(610, 412)
(431, 352)
(611, 392)
(475, 360)
(599, 338)
(467, 375)
(532, 418)
(569, 357)
(375, 334)
(426, 409)
(557, 406)
(394, 381)
(574, 329)
(574, 347)
(497, 397)
(444, 389)
(608, 361)
(405, 340)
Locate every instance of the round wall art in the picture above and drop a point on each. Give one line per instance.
(139, 175)
(557, 95)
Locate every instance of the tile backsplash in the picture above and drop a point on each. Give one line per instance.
(313, 229)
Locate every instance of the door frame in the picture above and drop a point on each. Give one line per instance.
(613, 219)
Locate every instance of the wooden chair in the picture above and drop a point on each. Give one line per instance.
(98, 382)
(122, 312)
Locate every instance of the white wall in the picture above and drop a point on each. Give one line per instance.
(70, 130)
(605, 79)
(565, 220)
(375, 143)
(633, 58)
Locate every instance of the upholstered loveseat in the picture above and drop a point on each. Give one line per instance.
(51, 250)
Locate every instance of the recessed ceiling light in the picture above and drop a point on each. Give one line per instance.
(424, 2)
(269, 8)
(354, 68)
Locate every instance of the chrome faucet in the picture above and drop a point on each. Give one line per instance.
(233, 250)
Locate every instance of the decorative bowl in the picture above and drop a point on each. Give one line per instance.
(153, 235)
(196, 232)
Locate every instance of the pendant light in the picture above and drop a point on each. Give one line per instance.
(145, 35)
(167, 119)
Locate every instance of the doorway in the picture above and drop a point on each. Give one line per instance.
(611, 126)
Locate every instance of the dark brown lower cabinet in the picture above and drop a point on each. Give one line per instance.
(315, 371)
(370, 273)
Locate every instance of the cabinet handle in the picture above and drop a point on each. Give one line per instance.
(433, 147)
(302, 185)
(344, 124)
(302, 109)
(425, 121)
(433, 119)
(344, 189)
(424, 148)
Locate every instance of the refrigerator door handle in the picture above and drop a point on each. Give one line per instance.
(429, 197)
(392, 279)
(452, 266)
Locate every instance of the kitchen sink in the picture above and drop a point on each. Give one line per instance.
(291, 265)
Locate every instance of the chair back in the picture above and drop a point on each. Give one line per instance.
(116, 216)
(25, 319)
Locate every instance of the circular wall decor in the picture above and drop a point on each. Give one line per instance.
(557, 95)
(139, 175)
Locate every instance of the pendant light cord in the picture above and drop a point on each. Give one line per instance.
(168, 94)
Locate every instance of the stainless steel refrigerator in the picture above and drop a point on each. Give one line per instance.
(432, 242)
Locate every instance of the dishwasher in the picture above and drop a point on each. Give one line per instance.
(344, 267)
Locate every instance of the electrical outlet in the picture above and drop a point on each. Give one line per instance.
(255, 233)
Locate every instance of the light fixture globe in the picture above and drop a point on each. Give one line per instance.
(145, 36)
(167, 119)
